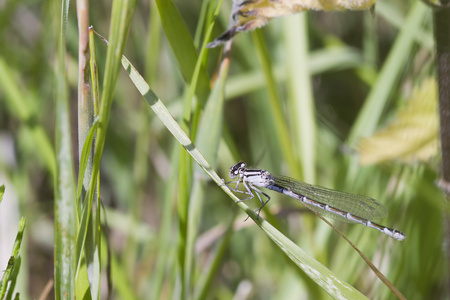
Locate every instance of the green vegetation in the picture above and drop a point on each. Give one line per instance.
(114, 206)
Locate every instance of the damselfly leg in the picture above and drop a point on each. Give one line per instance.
(249, 191)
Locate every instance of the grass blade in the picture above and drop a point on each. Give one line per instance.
(65, 211)
(208, 138)
(320, 274)
(21, 106)
(301, 101)
(387, 80)
(12, 270)
(275, 104)
(182, 46)
(121, 19)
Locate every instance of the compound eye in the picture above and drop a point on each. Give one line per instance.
(237, 168)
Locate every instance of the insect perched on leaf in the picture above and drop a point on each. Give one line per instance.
(252, 14)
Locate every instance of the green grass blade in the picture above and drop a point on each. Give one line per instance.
(163, 257)
(171, 124)
(122, 282)
(320, 274)
(319, 61)
(94, 71)
(208, 139)
(282, 132)
(153, 43)
(207, 277)
(88, 280)
(301, 101)
(84, 158)
(389, 11)
(210, 128)
(82, 286)
(13, 279)
(387, 80)
(121, 19)
(11, 271)
(122, 12)
(65, 211)
(190, 200)
(91, 246)
(165, 116)
(182, 46)
(184, 189)
(197, 74)
(21, 105)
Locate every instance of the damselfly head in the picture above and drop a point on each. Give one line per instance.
(237, 168)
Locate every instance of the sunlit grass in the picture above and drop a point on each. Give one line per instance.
(293, 100)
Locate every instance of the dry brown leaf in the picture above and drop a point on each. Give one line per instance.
(248, 15)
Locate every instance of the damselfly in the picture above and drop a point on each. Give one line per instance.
(341, 206)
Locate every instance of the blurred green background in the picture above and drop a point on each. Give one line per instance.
(300, 96)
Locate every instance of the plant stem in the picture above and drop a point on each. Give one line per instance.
(441, 19)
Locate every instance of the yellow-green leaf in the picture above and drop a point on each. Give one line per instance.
(412, 136)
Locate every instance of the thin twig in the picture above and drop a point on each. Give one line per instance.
(369, 263)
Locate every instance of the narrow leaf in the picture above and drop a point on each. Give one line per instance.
(182, 45)
(11, 271)
(321, 275)
(387, 79)
(84, 157)
(65, 211)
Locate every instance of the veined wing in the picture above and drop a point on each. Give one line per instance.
(358, 205)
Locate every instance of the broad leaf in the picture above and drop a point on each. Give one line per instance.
(412, 136)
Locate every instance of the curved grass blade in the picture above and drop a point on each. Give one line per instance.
(315, 270)
(335, 287)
